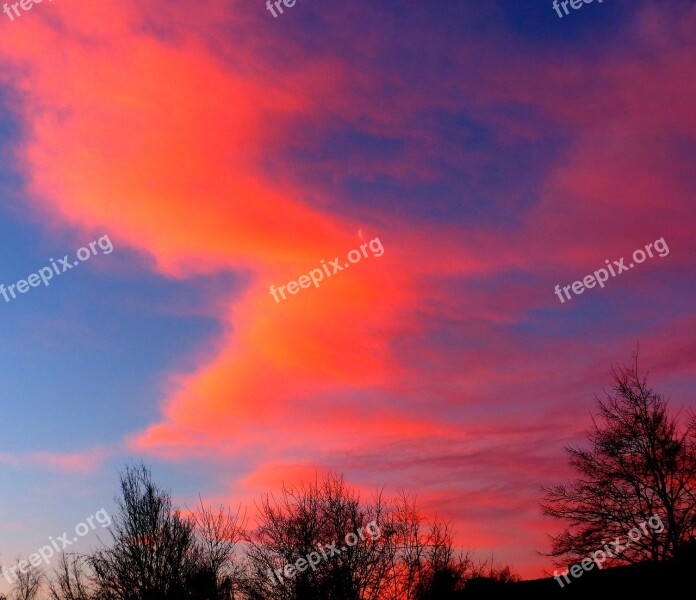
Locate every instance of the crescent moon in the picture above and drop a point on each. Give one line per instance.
(360, 232)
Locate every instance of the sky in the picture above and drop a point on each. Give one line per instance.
(480, 153)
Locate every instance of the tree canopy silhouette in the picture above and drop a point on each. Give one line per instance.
(641, 462)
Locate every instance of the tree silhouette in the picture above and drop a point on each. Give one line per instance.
(424, 562)
(29, 582)
(305, 520)
(641, 464)
(218, 534)
(153, 555)
(70, 581)
(410, 558)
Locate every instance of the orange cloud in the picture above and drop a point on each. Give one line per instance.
(161, 151)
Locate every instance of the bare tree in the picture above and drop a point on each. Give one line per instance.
(424, 563)
(29, 582)
(641, 464)
(409, 558)
(153, 555)
(70, 581)
(314, 521)
(219, 533)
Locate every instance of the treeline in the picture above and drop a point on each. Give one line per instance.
(318, 541)
(634, 501)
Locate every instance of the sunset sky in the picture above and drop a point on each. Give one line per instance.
(494, 149)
